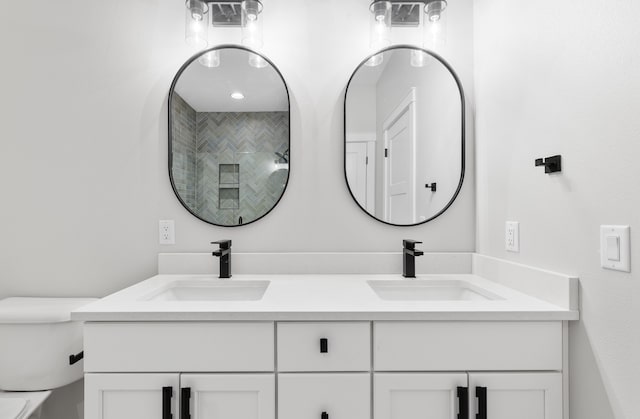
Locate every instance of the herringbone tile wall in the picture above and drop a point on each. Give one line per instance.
(184, 150)
(202, 141)
(249, 139)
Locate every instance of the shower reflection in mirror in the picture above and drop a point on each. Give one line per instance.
(229, 148)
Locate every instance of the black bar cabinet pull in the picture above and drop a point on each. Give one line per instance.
(324, 347)
(75, 358)
(185, 401)
(481, 394)
(324, 415)
(167, 394)
(463, 402)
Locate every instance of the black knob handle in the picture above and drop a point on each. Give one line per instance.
(481, 394)
(324, 345)
(185, 401)
(463, 402)
(167, 395)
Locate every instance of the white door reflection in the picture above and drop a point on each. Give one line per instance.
(412, 120)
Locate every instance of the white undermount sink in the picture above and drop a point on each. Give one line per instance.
(430, 290)
(210, 290)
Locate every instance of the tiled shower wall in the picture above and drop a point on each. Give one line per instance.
(205, 140)
(250, 140)
(184, 150)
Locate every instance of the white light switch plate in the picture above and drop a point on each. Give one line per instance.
(167, 232)
(512, 236)
(615, 246)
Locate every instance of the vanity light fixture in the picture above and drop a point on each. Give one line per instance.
(433, 31)
(237, 95)
(202, 15)
(379, 29)
(196, 23)
(385, 14)
(435, 24)
(252, 30)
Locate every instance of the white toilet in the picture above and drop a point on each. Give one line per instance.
(37, 338)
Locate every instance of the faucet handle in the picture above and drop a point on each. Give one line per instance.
(410, 244)
(224, 244)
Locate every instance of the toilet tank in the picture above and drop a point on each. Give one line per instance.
(37, 336)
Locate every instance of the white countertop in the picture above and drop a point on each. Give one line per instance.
(304, 297)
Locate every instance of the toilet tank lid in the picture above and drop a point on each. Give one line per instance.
(39, 310)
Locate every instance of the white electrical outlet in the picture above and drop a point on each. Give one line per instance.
(512, 236)
(167, 232)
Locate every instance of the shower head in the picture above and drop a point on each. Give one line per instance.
(283, 156)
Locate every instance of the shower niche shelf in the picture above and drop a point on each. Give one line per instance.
(229, 186)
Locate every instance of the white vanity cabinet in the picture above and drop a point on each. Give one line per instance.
(194, 396)
(247, 396)
(215, 369)
(517, 395)
(419, 395)
(408, 355)
(131, 396)
(450, 395)
(325, 370)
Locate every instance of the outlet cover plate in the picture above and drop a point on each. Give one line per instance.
(167, 232)
(615, 246)
(512, 236)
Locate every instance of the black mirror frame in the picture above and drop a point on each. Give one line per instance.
(463, 131)
(170, 128)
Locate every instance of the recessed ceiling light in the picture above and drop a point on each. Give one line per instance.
(237, 95)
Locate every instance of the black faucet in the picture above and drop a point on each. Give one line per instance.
(409, 254)
(225, 257)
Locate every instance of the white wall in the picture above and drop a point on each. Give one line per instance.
(362, 111)
(84, 138)
(563, 78)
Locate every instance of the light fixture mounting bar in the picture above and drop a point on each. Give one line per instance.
(407, 13)
(225, 13)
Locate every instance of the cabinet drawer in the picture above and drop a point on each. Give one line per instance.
(178, 346)
(346, 346)
(339, 396)
(467, 346)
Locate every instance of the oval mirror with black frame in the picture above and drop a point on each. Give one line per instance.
(229, 135)
(404, 135)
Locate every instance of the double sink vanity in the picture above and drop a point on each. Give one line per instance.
(327, 335)
(332, 346)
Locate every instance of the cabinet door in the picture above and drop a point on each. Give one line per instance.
(131, 396)
(324, 396)
(516, 395)
(419, 396)
(246, 396)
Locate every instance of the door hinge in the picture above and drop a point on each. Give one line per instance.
(366, 160)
